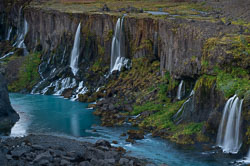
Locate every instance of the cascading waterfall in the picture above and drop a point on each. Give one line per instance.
(6, 55)
(75, 51)
(177, 116)
(9, 33)
(66, 83)
(117, 59)
(228, 137)
(22, 29)
(248, 157)
(80, 90)
(181, 91)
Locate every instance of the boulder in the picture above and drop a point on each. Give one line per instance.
(8, 116)
(135, 134)
(103, 143)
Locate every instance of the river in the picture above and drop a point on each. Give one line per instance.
(53, 115)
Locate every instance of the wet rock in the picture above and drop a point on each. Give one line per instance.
(91, 153)
(84, 163)
(114, 142)
(18, 152)
(130, 140)
(120, 149)
(68, 158)
(67, 93)
(123, 161)
(110, 161)
(135, 134)
(9, 157)
(43, 162)
(37, 147)
(64, 162)
(160, 133)
(103, 143)
(61, 151)
(123, 135)
(43, 156)
(3, 160)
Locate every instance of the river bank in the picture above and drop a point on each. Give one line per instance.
(51, 150)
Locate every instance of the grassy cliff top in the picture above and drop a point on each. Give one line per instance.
(176, 9)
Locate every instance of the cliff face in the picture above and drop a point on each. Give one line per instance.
(163, 51)
(8, 116)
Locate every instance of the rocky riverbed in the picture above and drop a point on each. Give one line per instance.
(53, 150)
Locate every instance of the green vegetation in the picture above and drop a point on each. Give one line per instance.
(206, 80)
(28, 75)
(232, 75)
(235, 81)
(182, 9)
(160, 111)
(248, 135)
(163, 116)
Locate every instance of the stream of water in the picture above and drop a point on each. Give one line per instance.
(54, 115)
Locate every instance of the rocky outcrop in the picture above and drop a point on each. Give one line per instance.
(51, 150)
(8, 116)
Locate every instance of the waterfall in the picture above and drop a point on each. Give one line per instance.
(180, 92)
(9, 33)
(180, 112)
(6, 55)
(75, 51)
(22, 29)
(248, 157)
(228, 137)
(117, 59)
(64, 52)
(64, 84)
(80, 90)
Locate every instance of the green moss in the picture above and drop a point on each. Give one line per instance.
(109, 35)
(28, 75)
(234, 81)
(206, 81)
(232, 45)
(101, 50)
(150, 106)
(163, 117)
(248, 135)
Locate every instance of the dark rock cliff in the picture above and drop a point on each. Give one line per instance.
(8, 116)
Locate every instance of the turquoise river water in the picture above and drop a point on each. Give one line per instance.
(57, 116)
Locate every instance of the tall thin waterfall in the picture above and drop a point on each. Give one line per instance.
(228, 137)
(180, 92)
(117, 59)
(9, 33)
(75, 51)
(22, 29)
(248, 156)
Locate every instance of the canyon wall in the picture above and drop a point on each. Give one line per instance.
(186, 49)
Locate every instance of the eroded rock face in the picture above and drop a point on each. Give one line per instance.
(7, 114)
